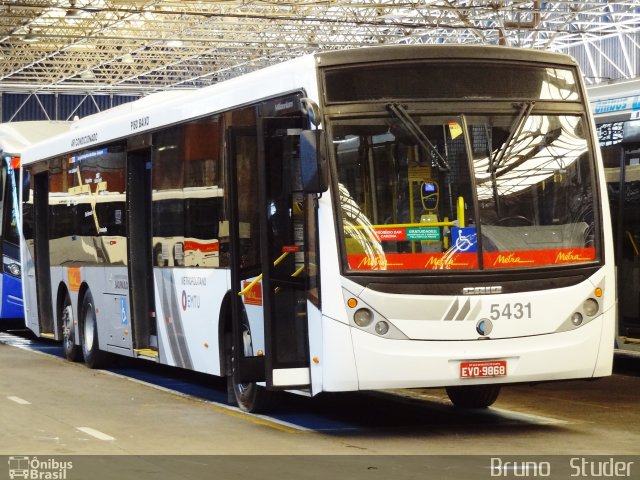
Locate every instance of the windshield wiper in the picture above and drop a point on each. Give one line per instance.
(514, 132)
(414, 129)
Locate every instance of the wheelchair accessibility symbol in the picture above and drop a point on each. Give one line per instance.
(464, 239)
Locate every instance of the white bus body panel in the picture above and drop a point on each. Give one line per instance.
(331, 290)
(541, 348)
(340, 371)
(316, 354)
(454, 317)
(410, 363)
(187, 312)
(29, 295)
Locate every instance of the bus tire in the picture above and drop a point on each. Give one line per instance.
(473, 396)
(250, 397)
(93, 357)
(72, 351)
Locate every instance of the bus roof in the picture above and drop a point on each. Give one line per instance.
(298, 74)
(446, 52)
(145, 114)
(15, 137)
(152, 99)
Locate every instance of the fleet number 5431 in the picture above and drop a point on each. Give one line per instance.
(516, 311)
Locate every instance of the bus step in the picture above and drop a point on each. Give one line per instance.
(47, 335)
(146, 353)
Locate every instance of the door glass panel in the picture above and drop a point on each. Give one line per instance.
(625, 207)
(286, 234)
(246, 157)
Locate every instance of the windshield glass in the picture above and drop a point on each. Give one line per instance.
(412, 199)
(10, 227)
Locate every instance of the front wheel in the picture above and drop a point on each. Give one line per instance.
(473, 396)
(249, 396)
(93, 357)
(72, 352)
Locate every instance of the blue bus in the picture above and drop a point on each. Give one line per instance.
(14, 138)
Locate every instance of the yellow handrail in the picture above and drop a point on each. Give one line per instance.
(280, 259)
(404, 225)
(460, 222)
(633, 243)
(259, 277)
(293, 275)
(461, 212)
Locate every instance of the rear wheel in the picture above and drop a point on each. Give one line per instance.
(72, 352)
(249, 396)
(473, 396)
(93, 357)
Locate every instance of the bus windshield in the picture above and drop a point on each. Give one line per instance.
(465, 192)
(10, 221)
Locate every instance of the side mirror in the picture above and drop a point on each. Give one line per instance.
(313, 161)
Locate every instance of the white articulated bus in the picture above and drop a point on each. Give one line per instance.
(393, 217)
(616, 108)
(14, 138)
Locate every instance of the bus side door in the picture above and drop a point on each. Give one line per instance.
(267, 218)
(284, 256)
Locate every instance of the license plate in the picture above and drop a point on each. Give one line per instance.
(492, 368)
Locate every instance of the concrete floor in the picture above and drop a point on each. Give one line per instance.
(51, 407)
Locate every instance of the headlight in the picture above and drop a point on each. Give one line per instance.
(11, 267)
(382, 327)
(590, 307)
(363, 317)
(576, 318)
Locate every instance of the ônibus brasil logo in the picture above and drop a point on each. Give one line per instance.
(37, 469)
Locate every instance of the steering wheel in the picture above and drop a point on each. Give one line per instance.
(514, 221)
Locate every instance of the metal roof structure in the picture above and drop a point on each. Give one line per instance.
(140, 46)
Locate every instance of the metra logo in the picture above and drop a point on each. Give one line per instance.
(511, 259)
(570, 257)
(373, 263)
(443, 263)
(190, 301)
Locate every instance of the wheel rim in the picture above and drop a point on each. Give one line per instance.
(67, 326)
(89, 327)
(247, 347)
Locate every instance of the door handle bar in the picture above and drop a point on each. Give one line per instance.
(259, 277)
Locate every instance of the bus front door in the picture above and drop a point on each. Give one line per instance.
(267, 240)
(44, 309)
(627, 215)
